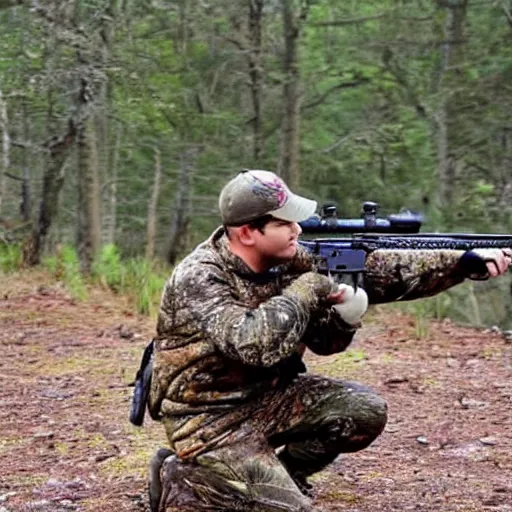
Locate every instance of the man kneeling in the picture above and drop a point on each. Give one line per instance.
(246, 425)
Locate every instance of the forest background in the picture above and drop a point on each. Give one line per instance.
(120, 120)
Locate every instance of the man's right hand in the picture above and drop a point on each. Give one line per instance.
(354, 304)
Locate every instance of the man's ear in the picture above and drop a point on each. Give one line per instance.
(246, 235)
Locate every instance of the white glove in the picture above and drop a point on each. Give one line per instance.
(354, 305)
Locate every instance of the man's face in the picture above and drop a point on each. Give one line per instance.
(278, 242)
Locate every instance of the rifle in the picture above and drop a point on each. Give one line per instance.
(347, 255)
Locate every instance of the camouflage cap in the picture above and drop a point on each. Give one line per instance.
(252, 194)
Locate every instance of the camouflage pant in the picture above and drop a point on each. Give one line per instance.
(286, 436)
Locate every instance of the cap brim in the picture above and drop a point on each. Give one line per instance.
(296, 209)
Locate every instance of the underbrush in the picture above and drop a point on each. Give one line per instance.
(10, 257)
(472, 303)
(138, 279)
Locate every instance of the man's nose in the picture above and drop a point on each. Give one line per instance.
(297, 229)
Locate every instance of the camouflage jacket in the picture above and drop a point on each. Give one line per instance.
(226, 334)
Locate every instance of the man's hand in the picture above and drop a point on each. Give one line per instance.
(350, 304)
(496, 262)
(337, 297)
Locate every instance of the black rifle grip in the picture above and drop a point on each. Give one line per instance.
(142, 386)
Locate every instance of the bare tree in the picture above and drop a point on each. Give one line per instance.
(57, 150)
(181, 212)
(451, 66)
(112, 189)
(4, 126)
(289, 158)
(152, 207)
(255, 62)
(89, 219)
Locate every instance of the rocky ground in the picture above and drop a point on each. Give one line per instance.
(66, 443)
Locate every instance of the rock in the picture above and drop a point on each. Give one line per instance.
(44, 435)
(469, 403)
(104, 456)
(452, 363)
(38, 505)
(125, 332)
(422, 440)
(68, 505)
(395, 380)
(6, 496)
(489, 440)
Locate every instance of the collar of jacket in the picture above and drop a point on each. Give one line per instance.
(301, 263)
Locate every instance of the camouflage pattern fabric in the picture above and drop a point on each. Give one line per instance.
(311, 421)
(229, 350)
(407, 275)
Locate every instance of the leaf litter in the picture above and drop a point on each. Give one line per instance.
(65, 388)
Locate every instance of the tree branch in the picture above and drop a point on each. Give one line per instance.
(350, 21)
(364, 19)
(235, 42)
(27, 145)
(338, 143)
(342, 85)
(12, 176)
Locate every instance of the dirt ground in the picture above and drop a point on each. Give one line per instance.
(66, 443)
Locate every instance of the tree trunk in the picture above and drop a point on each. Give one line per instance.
(152, 208)
(4, 168)
(107, 156)
(112, 210)
(26, 199)
(289, 164)
(53, 180)
(449, 131)
(89, 219)
(255, 72)
(181, 211)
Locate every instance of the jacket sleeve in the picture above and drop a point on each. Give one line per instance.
(327, 333)
(262, 336)
(406, 274)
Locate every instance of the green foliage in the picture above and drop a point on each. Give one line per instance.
(10, 257)
(107, 267)
(134, 277)
(481, 304)
(383, 91)
(143, 284)
(65, 267)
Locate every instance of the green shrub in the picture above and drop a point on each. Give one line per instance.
(106, 267)
(65, 267)
(10, 257)
(143, 284)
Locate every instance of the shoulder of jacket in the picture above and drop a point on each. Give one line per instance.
(200, 262)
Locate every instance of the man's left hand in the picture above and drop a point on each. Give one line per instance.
(497, 261)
